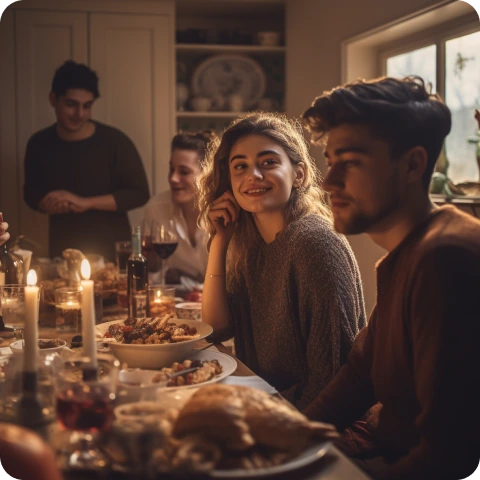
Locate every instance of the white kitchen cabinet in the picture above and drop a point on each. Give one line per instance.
(133, 58)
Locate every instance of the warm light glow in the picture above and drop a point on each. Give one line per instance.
(159, 293)
(85, 269)
(32, 278)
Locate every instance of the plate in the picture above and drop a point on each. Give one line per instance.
(227, 74)
(228, 363)
(310, 455)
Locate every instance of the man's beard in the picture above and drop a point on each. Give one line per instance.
(361, 222)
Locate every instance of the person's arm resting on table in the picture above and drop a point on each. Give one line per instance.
(445, 329)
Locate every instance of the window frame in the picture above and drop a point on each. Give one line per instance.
(438, 36)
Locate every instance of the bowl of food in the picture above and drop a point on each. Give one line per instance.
(45, 345)
(189, 310)
(152, 343)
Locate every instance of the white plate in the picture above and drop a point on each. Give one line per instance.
(227, 74)
(310, 455)
(228, 364)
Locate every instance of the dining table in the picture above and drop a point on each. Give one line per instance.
(333, 465)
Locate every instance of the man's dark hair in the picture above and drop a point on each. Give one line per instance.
(400, 111)
(74, 75)
(198, 142)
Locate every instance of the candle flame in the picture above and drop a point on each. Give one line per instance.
(159, 293)
(32, 278)
(85, 269)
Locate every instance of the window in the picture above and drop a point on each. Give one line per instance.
(451, 63)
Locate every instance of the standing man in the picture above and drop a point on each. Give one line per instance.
(418, 355)
(84, 174)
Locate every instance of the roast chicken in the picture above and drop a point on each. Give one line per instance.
(238, 418)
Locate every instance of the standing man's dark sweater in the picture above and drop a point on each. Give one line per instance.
(418, 356)
(105, 163)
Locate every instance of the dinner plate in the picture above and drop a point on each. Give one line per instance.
(149, 391)
(229, 74)
(310, 455)
(229, 365)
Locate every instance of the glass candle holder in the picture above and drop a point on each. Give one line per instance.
(68, 309)
(161, 300)
(12, 308)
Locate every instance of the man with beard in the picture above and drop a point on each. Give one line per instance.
(84, 174)
(418, 354)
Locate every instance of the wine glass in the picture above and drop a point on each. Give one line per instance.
(85, 402)
(164, 241)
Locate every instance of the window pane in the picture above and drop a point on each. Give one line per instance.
(462, 95)
(422, 62)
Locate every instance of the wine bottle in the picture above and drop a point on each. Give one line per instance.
(11, 265)
(137, 278)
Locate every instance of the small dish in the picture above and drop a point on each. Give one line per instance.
(17, 347)
(189, 310)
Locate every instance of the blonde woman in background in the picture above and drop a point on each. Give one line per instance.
(279, 278)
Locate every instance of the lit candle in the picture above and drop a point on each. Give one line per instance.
(88, 314)
(30, 332)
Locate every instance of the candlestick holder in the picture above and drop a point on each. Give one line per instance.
(28, 398)
(30, 411)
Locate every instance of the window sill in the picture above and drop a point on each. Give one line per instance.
(455, 199)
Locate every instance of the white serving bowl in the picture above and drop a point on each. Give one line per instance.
(189, 310)
(156, 355)
(17, 347)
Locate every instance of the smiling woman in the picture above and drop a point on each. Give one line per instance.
(188, 262)
(279, 279)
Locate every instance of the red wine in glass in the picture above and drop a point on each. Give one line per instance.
(165, 249)
(85, 411)
(147, 245)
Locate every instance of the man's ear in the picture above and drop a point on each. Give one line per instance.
(416, 160)
(52, 98)
(299, 175)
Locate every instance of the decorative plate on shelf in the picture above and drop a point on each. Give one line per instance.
(229, 74)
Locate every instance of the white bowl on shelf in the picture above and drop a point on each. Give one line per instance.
(201, 104)
(154, 356)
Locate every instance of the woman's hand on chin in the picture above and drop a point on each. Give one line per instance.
(223, 213)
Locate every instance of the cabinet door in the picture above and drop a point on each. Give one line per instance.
(133, 57)
(44, 40)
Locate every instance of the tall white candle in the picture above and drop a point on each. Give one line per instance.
(88, 314)
(30, 332)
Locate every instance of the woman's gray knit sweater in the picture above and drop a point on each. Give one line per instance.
(297, 308)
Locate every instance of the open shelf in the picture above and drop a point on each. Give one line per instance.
(187, 114)
(210, 48)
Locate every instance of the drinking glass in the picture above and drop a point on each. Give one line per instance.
(12, 308)
(85, 408)
(147, 246)
(164, 241)
(12, 388)
(122, 251)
